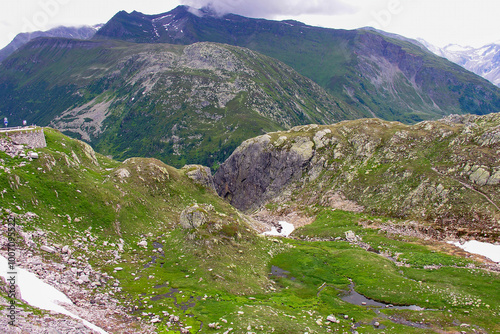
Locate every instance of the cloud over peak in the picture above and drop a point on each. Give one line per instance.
(272, 8)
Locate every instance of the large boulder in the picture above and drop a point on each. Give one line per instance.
(195, 216)
(200, 175)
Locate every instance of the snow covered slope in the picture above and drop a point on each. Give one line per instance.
(484, 61)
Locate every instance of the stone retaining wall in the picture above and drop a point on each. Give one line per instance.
(31, 138)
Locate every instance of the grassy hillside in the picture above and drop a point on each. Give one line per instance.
(179, 104)
(222, 274)
(369, 72)
(444, 174)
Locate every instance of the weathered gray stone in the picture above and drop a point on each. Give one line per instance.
(48, 249)
(193, 217)
(201, 175)
(122, 173)
(331, 318)
(259, 169)
(494, 179)
(480, 176)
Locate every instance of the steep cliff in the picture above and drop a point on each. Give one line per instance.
(444, 172)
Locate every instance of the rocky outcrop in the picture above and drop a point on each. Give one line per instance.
(258, 170)
(425, 172)
(195, 216)
(200, 175)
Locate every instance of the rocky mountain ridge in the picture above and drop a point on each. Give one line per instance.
(181, 104)
(425, 172)
(85, 32)
(368, 71)
(484, 61)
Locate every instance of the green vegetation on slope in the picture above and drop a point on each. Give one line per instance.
(366, 71)
(179, 104)
(220, 273)
(442, 174)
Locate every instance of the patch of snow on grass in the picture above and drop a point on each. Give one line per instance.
(41, 295)
(488, 250)
(286, 230)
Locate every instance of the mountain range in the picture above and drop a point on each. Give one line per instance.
(484, 61)
(144, 86)
(379, 75)
(85, 32)
(306, 216)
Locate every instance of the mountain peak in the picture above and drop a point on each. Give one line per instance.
(484, 61)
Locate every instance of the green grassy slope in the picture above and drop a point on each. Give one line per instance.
(371, 73)
(180, 104)
(444, 173)
(220, 273)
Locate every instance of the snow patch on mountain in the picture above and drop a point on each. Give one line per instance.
(484, 61)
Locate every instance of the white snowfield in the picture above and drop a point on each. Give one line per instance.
(41, 295)
(286, 230)
(488, 250)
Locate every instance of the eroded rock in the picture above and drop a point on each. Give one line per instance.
(201, 175)
(194, 216)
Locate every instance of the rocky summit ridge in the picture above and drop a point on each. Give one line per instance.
(181, 104)
(445, 173)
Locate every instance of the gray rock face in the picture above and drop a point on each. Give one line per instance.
(193, 217)
(48, 249)
(200, 175)
(259, 170)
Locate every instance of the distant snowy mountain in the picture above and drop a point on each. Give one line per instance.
(484, 61)
(85, 32)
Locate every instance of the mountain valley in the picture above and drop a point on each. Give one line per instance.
(170, 91)
(195, 173)
(140, 246)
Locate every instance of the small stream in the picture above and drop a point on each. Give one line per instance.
(356, 298)
(156, 245)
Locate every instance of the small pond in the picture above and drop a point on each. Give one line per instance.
(356, 298)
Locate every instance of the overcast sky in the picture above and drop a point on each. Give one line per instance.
(440, 22)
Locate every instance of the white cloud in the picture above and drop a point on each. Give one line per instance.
(272, 8)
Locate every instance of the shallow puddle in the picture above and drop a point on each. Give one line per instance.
(278, 272)
(356, 298)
